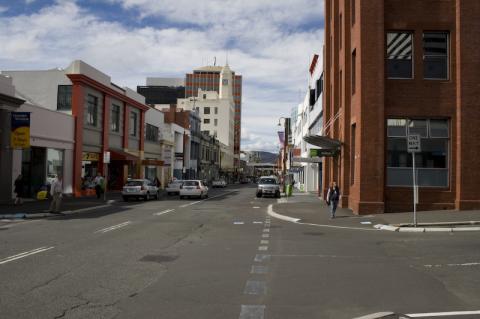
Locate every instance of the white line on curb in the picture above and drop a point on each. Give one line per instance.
(107, 229)
(444, 314)
(164, 212)
(24, 254)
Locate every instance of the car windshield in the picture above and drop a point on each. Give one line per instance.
(134, 183)
(268, 181)
(190, 183)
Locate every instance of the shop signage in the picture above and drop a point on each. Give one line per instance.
(306, 160)
(320, 152)
(106, 157)
(94, 157)
(20, 130)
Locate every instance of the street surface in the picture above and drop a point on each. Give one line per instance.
(225, 257)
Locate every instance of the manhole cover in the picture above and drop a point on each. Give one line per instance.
(159, 258)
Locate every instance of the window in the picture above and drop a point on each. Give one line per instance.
(133, 123)
(352, 11)
(215, 122)
(64, 98)
(216, 110)
(431, 163)
(151, 133)
(92, 110)
(354, 70)
(352, 154)
(340, 88)
(206, 110)
(204, 96)
(115, 118)
(206, 121)
(399, 55)
(435, 55)
(340, 31)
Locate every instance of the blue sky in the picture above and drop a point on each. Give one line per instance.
(269, 42)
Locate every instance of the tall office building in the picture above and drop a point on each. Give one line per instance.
(208, 79)
(394, 69)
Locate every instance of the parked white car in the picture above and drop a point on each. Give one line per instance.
(140, 188)
(219, 183)
(193, 188)
(173, 188)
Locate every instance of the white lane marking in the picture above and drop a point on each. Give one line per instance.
(254, 287)
(107, 229)
(453, 265)
(366, 223)
(259, 270)
(265, 235)
(24, 254)
(256, 207)
(164, 212)
(443, 314)
(264, 248)
(252, 312)
(258, 222)
(238, 223)
(264, 242)
(266, 230)
(261, 258)
(297, 221)
(209, 198)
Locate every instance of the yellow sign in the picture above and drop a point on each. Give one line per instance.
(20, 130)
(93, 157)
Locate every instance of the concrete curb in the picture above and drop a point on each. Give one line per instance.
(282, 217)
(380, 315)
(46, 215)
(425, 229)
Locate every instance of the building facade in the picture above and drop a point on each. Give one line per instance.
(398, 68)
(208, 78)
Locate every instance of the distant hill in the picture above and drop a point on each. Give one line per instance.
(264, 157)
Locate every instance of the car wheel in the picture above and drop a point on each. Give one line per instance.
(157, 197)
(259, 195)
(181, 197)
(125, 198)
(277, 194)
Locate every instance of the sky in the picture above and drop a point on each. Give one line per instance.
(269, 42)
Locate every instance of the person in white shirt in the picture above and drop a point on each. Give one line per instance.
(56, 190)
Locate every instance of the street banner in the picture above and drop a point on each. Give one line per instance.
(20, 130)
(281, 136)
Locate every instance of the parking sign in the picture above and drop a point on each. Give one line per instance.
(413, 144)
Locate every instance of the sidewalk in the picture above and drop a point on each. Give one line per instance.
(39, 209)
(311, 209)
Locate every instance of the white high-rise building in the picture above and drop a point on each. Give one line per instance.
(217, 114)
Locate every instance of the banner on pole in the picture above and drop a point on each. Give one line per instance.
(20, 130)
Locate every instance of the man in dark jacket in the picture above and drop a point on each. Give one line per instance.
(333, 196)
(18, 190)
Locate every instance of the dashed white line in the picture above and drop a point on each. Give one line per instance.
(238, 223)
(453, 265)
(265, 235)
(164, 212)
(107, 229)
(252, 312)
(258, 222)
(209, 198)
(256, 207)
(24, 254)
(266, 230)
(264, 242)
(261, 258)
(254, 287)
(259, 270)
(444, 314)
(263, 248)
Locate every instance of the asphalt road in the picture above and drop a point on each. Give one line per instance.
(226, 258)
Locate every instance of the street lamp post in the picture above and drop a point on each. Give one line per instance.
(286, 121)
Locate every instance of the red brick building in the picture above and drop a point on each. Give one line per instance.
(393, 68)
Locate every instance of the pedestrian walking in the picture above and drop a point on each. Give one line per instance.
(333, 196)
(99, 182)
(18, 189)
(157, 182)
(56, 190)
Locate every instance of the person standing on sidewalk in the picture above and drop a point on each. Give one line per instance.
(56, 191)
(18, 189)
(333, 196)
(99, 185)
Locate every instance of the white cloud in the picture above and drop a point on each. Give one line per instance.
(3, 9)
(264, 41)
(30, 1)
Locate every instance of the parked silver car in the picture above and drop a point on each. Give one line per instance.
(173, 188)
(140, 188)
(268, 185)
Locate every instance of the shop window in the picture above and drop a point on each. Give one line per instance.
(215, 122)
(432, 165)
(399, 55)
(435, 55)
(64, 98)
(92, 110)
(115, 118)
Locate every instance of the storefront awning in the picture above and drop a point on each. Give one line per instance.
(118, 155)
(152, 162)
(323, 142)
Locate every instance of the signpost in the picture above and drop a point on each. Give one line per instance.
(106, 161)
(413, 146)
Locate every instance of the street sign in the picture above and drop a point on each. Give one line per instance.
(413, 144)
(106, 157)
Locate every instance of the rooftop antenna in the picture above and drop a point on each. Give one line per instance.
(215, 61)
